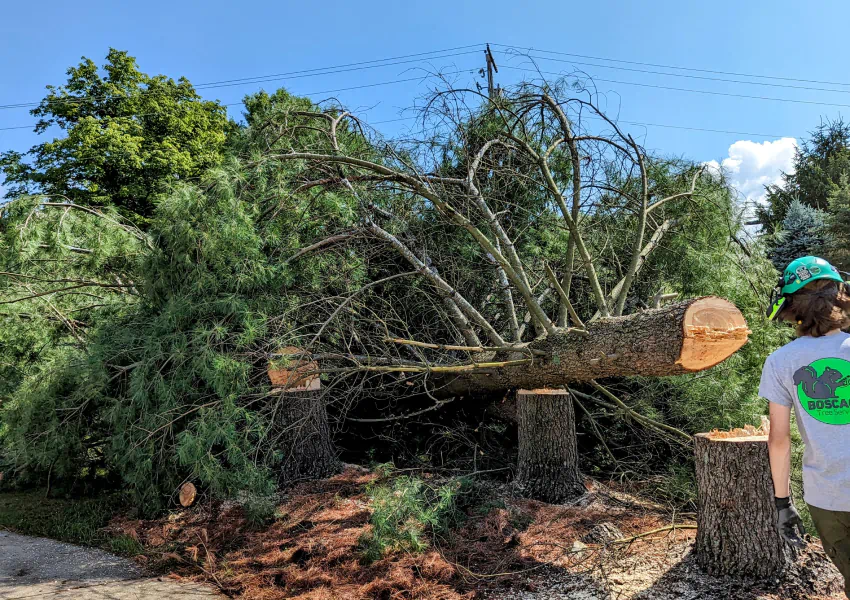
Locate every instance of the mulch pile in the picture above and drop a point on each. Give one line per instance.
(599, 548)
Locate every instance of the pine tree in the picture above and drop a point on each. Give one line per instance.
(802, 234)
(838, 225)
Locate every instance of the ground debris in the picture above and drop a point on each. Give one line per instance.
(510, 548)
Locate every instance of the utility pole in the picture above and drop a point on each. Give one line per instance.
(492, 91)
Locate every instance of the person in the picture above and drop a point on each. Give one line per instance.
(812, 374)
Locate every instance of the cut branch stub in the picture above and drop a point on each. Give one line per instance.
(188, 493)
(684, 337)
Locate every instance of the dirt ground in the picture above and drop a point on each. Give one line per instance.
(601, 547)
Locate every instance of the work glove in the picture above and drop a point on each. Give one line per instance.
(789, 522)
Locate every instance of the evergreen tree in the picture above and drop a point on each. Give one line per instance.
(802, 234)
(819, 164)
(838, 225)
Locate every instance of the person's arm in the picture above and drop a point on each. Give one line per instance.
(779, 446)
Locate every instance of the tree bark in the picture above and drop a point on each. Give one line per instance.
(308, 452)
(736, 519)
(548, 456)
(684, 337)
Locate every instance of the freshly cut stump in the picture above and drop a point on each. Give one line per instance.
(302, 417)
(736, 518)
(308, 451)
(548, 455)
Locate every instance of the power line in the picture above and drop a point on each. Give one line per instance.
(702, 77)
(333, 70)
(341, 68)
(455, 51)
(345, 89)
(647, 64)
(677, 89)
(532, 70)
(528, 69)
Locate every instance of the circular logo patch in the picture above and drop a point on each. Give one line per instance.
(823, 389)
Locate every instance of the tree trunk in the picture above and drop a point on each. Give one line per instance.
(736, 519)
(308, 452)
(684, 337)
(548, 457)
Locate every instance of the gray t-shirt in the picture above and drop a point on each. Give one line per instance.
(813, 375)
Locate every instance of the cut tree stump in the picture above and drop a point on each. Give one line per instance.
(305, 438)
(547, 468)
(308, 451)
(188, 493)
(736, 518)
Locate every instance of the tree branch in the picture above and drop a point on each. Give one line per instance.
(687, 194)
(650, 246)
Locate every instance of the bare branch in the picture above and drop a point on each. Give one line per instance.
(553, 279)
(650, 246)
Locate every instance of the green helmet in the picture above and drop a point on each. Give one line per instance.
(797, 275)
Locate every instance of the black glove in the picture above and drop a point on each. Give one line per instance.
(789, 522)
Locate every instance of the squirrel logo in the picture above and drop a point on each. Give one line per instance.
(823, 387)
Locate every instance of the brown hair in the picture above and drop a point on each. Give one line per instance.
(820, 307)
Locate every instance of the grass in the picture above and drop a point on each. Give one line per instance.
(124, 545)
(79, 521)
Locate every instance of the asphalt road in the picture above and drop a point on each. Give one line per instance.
(35, 568)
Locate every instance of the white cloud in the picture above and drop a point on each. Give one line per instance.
(752, 165)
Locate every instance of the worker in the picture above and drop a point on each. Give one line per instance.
(812, 374)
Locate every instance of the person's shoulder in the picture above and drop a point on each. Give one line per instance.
(790, 348)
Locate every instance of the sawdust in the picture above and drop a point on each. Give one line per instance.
(714, 334)
(762, 430)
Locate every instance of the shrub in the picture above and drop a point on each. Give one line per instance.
(407, 511)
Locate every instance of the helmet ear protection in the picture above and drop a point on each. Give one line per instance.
(777, 300)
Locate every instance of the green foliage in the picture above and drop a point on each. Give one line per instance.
(74, 521)
(837, 230)
(167, 379)
(63, 275)
(125, 545)
(818, 166)
(259, 509)
(128, 136)
(406, 512)
(802, 234)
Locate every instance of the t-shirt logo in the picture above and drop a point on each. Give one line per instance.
(823, 389)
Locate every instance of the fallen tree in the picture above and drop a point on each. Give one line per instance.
(465, 221)
(516, 244)
(685, 337)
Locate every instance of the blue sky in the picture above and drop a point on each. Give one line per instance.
(217, 40)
